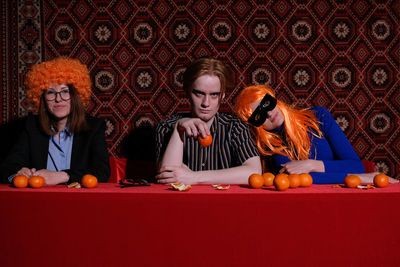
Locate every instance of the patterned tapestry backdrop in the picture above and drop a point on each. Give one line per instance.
(343, 55)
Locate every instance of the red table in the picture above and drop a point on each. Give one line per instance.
(155, 226)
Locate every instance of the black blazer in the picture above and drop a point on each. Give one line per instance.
(89, 151)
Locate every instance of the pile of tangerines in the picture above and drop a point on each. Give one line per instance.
(21, 181)
(281, 181)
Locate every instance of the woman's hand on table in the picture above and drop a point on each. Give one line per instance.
(26, 171)
(303, 166)
(52, 177)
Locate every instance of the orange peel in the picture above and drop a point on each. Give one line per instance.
(181, 187)
(74, 185)
(221, 187)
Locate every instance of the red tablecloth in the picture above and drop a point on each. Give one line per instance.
(155, 226)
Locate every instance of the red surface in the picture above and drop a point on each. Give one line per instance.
(118, 169)
(369, 166)
(155, 226)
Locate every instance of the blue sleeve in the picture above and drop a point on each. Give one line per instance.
(318, 177)
(328, 177)
(345, 158)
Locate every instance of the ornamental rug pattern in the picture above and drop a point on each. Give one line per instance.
(343, 55)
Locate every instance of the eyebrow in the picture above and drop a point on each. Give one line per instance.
(203, 93)
(62, 88)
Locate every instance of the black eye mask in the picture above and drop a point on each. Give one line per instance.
(259, 115)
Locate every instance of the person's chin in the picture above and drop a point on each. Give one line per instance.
(205, 116)
(60, 115)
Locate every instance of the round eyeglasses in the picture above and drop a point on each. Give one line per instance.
(51, 95)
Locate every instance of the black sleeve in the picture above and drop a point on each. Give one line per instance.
(90, 153)
(20, 154)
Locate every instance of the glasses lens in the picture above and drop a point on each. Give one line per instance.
(65, 95)
(52, 95)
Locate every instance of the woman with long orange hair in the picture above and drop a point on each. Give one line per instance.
(298, 140)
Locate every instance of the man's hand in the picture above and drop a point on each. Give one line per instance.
(303, 166)
(176, 174)
(193, 127)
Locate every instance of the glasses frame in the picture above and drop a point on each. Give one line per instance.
(58, 93)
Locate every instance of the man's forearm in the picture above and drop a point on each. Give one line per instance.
(234, 175)
(174, 153)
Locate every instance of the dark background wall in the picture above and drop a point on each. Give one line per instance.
(343, 55)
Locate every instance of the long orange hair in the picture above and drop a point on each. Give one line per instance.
(298, 124)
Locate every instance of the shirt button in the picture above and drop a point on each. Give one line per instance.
(203, 164)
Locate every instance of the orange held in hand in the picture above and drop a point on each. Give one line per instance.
(352, 181)
(256, 180)
(381, 180)
(20, 181)
(281, 182)
(305, 180)
(36, 181)
(294, 180)
(205, 141)
(268, 178)
(89, 181)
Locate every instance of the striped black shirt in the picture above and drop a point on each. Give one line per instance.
(232, 143)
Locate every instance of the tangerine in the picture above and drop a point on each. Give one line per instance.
(281, 182)
(306, 180)
(268, 178)
(20, 181)
(89, 181)
(256, 180)
(352, 181)
(205, 141)
(294, 180)
(36, 181)
(381, 180)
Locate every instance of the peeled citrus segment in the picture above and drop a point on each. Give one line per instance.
(221, 187)
(181, 187)
(74, 185)
(368, 186)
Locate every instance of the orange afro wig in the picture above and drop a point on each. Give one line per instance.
(59, 71)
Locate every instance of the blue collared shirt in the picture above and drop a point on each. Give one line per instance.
(59, 156)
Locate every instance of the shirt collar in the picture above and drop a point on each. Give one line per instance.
(64, 131)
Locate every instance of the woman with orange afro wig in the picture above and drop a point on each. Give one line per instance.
(298, 140)
(61, 143)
